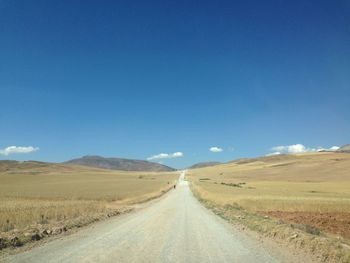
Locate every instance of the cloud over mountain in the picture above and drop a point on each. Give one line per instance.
(166, 156)
(298, 148)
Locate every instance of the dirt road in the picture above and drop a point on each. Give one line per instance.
(176, 228)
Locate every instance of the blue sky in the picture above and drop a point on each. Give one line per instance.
(136, 79)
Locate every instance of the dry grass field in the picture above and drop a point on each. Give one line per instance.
(41, 195)
(311, 188)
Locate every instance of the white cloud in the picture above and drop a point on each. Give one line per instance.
(334, 148)
(177, 154)
(166, 156)
(215, 149)
(299, 148)
(17, 149)
(331, 149)
(296, 148)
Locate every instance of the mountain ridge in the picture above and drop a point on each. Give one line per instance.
(123, 164)
(203, 164)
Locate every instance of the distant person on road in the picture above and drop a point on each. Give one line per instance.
(174, 186)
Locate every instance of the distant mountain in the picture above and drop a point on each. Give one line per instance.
(345, 148)
(203, 164)
(31, 167)
(120, 164)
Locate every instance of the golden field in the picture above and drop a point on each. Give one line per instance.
(309, 182)
(44, 194)
(302, 200)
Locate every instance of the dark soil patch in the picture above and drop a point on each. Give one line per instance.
(335, 223)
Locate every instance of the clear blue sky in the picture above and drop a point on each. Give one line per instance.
(138, 78)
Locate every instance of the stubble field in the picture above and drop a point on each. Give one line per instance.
(37, 196)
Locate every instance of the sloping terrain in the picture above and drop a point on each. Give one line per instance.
(308, 191)
(120, 164)
(203, 164)
(36, 167)
(316, 167)
(344, 148)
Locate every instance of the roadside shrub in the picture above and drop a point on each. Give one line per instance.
(231, 184)
(307, 228)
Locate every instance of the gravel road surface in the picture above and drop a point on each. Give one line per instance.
(175, 228)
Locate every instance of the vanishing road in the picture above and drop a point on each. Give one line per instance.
(175, 228)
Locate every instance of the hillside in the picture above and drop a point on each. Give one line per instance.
(32, 167)
(322, 166)
(304, 189)
(203, 164)
(120, 164)
(344, 148)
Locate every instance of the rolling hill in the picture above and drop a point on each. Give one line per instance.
(344, 148)
(203, 164)
(120, 164)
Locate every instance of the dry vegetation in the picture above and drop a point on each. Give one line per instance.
(40, 197)
(309, 192)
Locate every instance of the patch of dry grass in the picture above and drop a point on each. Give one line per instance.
(310, 182)
(278, 195)
(20, 213)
